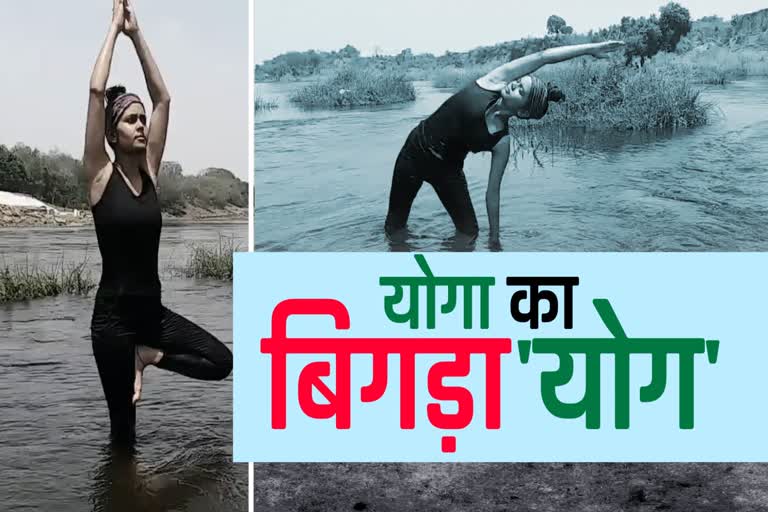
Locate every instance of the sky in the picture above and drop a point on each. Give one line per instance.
(48, 50)
(438, 25)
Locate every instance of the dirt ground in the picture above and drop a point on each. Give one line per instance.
(510, 487)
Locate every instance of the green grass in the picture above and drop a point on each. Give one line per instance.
(261, 103)
(211, 261)
(26, 282)
(353, 87)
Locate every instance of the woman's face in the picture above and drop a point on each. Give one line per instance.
(131, 130)
(515, 95)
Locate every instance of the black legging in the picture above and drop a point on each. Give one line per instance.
(120, 324)
(412, 169)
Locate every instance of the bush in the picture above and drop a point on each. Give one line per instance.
(610, 95)
(353, 87)
(20, 283)
(211, 262)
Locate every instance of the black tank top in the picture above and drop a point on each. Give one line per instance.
(459, 126)
(128, 230)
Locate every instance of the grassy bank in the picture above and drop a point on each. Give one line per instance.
(611, 95)
(354, 87)
(209, 261)
(27, 282)
(716, 65)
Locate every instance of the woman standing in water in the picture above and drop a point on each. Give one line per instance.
(130, 328)
(475, 119)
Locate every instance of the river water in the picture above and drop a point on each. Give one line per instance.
(54, 451)
(322, 182)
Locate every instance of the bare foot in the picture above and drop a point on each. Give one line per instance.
(145, 356)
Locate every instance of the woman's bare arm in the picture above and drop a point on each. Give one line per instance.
(95, 157)
(158, 92)
(518, 68)
(499, 160)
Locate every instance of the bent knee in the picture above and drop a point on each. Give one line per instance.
(223, 365)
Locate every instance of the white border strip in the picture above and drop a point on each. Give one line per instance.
(251, 142)
(250, 487)
(251, 150)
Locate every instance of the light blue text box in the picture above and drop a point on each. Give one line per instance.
(655, 295)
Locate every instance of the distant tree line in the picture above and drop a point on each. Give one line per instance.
(645, 37)
(59, 179)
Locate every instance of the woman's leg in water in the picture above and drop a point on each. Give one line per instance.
(406, 183)
(114, 353)
(189, 349)
(452, 190)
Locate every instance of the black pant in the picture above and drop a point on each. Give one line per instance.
(413, 167)
(119, 324)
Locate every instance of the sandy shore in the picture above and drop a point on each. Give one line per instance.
(18, 216)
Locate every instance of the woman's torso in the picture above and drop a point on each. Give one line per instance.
(458, 126)
(128, 230)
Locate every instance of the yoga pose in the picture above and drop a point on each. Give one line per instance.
(130, 328)
(475, 119)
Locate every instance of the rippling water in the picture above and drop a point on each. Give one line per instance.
(322, 182)
(54, 451)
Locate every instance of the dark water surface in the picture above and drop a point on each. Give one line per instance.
(54, 452)
(322, 182)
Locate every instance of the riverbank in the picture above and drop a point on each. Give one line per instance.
(19, 216)
(665, 93)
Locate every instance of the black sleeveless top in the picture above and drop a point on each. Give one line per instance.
(459, 126)
(128, 230)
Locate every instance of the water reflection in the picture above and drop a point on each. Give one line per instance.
(121, 483)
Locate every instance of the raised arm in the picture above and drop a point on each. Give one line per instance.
(95, 157)
(499, 160)
(502, 75)
(161, 98)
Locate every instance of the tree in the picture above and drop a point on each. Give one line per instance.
(644, 39)
(566, 30)
(349, 52)
(404, 56)
(170, 188)
(674, 22)
(555, 24)
(13, 176)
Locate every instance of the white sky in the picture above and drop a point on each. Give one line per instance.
(439, 25)
(47, 53)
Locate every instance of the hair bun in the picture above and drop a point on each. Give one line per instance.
(114, 91)
(554, 93)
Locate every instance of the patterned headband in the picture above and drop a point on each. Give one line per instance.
(116, 108)
(537, 104)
